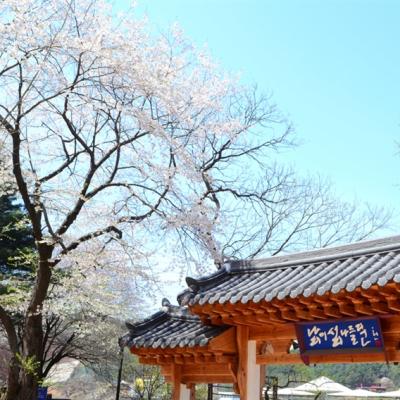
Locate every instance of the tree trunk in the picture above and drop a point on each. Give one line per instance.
(32, 339)
(22, 383)
(28, 389)
(13, 384)
(32, 343)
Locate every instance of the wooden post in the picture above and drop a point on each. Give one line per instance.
(180, 391)
(248, 374)
(263, 370)
(185, 393)
(242, 337)
(192, 391)
(176, 379)
(253, 372)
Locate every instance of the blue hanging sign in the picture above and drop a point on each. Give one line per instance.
(340, 336)
(42, 393)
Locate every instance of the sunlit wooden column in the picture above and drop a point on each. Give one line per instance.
(253, 372)
(249, 373)
(180, 391)
(185, 393)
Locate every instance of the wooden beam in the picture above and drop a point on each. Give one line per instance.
(363, 308)
(284, 331)
(302, 312)
(346, 309)
(371, 293)
(148, 360)
(316, 312)
(216, 320)
(339, 305)
(289, 315)
(394, 304)
(242, 337)
(207, 373)
(188, 379)
(389, 290)
(166, 369)
(332, 311)
(379, 307)
(281, 345)
(248, 320)
(206, 369)
(393, 356)
(273, 313)
(233, 370)
(330, 308)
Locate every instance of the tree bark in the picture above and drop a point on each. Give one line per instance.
(13, 384)
(28, 388)
(23, 383)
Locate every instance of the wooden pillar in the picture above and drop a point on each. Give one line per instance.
(248, 374)
(185, 393)
(253, 372)
(242, 337)
(192, 391)
(176, 379)
(180, 391)
(263, 370)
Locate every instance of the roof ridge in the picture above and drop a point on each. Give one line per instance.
(168, 311)
(356, 249)
(348, 267)
(138, 327)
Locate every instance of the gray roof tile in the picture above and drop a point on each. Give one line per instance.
(317, 272)
(172, 327)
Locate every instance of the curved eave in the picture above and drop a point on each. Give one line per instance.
(173, 328)
(359, 303)
(327, 272)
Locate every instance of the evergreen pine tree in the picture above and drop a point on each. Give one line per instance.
(16, 244)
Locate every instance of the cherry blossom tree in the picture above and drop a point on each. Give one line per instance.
(113, 134)
(124, 142)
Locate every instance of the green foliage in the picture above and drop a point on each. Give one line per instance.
(29, 364)
(16, 239)
(146, 380)
(18, 258)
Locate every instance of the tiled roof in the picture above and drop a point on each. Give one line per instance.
(172, 327)
(358, 265)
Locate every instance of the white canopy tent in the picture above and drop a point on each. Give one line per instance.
(310, 389)
(322, 384)
(393, 394)
(332, 389)
(290, 392)
(293, 392)
(358, 393)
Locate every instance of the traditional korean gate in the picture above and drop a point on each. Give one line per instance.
(251, 313)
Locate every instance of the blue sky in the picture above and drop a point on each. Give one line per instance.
(332, 67)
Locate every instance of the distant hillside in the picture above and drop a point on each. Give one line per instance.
(74, 381)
